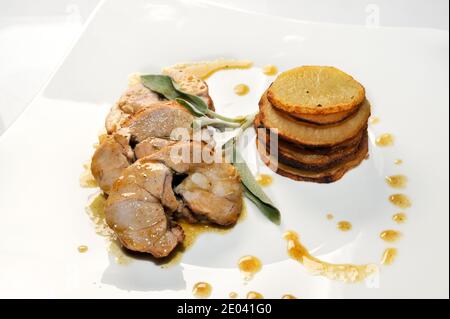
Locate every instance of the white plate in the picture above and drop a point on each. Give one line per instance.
(405, 72)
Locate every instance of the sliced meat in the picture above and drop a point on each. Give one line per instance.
(114, 119)
(150, 146)
(137, 97)
(138, 206)
(111, 157)
(158, 120)
(212, 192)
(134, 99)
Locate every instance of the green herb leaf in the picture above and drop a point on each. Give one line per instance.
(161, 84)
(252, 189)
(165, 86)
(191, 108)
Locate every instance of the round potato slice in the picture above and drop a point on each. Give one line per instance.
(309, 134)
(329, 175)
(307, 159)
(315, 90)
(322, 119)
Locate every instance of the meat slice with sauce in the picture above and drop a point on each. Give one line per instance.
(111, 157)
(139, 206)
(212, 192)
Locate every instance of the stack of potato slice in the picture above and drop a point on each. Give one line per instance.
(320, 115)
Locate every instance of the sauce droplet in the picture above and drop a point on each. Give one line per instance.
(385, 140)
(202, 290)
(374, 120)
(288, 297)
(254, 295)
(233, 295)
(344, 225)
(399, 218)
(82, 249)
(241, 89)
(400, 200)
(342, 272)
(398, 162)
(329, 216)
(390, 235)
(270, 70)
(264, 179)
(389, 256)
(397, 181)
(249, 266)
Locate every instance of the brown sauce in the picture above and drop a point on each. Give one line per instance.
(390, 235)
(389, 256)
(270, 70)
(249, 266)
(344, 226)
(399, 218)
(241, 89)
(254, 295)
(385, 140)
(202, 290)
(400, 200)
(264, 179)
(347, 273)
(82, 248)
(397, 181)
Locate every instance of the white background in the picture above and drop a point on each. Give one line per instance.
(36, 35)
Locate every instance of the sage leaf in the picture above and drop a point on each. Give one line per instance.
(161, 84)
(165, 86)
(253, 190)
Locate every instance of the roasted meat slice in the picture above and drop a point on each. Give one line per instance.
(150, 146)
(134, 99)
(139, 206)
(158, 120)
(111, 157)
(212, 192)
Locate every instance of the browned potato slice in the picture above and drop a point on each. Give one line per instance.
(315, 90)
(325, 176)
(309, 134)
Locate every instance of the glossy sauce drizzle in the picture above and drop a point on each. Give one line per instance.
(344, 225)
(82, 248)
(241, 89)
(399, 218)
(397, 181)
(264, 179)
(342, 272)
(389, 256)
(390, 235)
(202, 290)
(385, 140)
(233, 295)
(270, 70)
(400, 200)
(249, 266)
(254, 295)
(206, 69)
